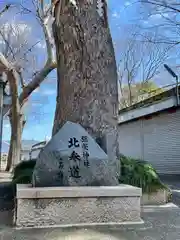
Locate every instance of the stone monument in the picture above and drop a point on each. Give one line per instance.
(73, 158)
(74, 184)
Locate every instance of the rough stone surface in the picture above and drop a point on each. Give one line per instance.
(46, 212)
(73, 158)
(157, 198)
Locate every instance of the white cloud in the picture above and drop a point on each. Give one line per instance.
(36, 90)
(145, 22)
(2, 41)
(156, 16)
(47, 138)
(115, 15)
(49, 92)
(36, 104)
(165, 14)
(41, 45)
(16, 28)
(127, 3)
(7, 125)
(16, 31)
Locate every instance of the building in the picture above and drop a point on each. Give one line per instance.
(28, 151)
(150, 130)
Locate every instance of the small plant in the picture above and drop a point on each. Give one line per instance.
(23, 172)
(141, 174)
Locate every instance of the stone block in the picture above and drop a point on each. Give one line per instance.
(77, 206)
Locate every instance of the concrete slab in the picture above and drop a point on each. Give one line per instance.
(27, 192)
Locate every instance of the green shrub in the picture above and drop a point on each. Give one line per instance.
(134, 172)
(23, 172)
(139, 173)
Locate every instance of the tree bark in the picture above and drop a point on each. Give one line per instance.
(14, 154)
(16, 120)
(87, 75)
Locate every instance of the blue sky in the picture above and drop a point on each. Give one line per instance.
(41, 106)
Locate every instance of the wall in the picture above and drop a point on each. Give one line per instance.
(155, 139)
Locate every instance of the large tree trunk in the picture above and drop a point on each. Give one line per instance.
(14, 154)
(17, 126)
(87, 74)
(16, 120)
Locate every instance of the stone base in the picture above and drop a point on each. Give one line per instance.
(157, 198)
(77, 206)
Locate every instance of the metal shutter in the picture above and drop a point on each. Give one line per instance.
(162, 142)
(130, 139)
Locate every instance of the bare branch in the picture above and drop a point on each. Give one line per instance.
(21, 79)
(46, 20)
(139, 64)
(4, 64)
(168, 26)
(7, 44)
(36, 81)
(162, 4)
(5, 9)
(49, 40)
(42, 7)
(31, 48)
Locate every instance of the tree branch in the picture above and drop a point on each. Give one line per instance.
(36, 81)
(21, 79)
(46, 20)
(42, 7)
(49, 40)
(161, 4)
(7, 44)
(4, 64)
(5, 9)
(43, 73)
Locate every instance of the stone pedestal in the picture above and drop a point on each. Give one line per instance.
(77, 206)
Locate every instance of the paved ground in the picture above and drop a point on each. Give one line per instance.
(5, 177)
(6, 192)
(174, 183)
(161, 223)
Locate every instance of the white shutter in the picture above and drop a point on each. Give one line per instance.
(130, 139)
(162, 142)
